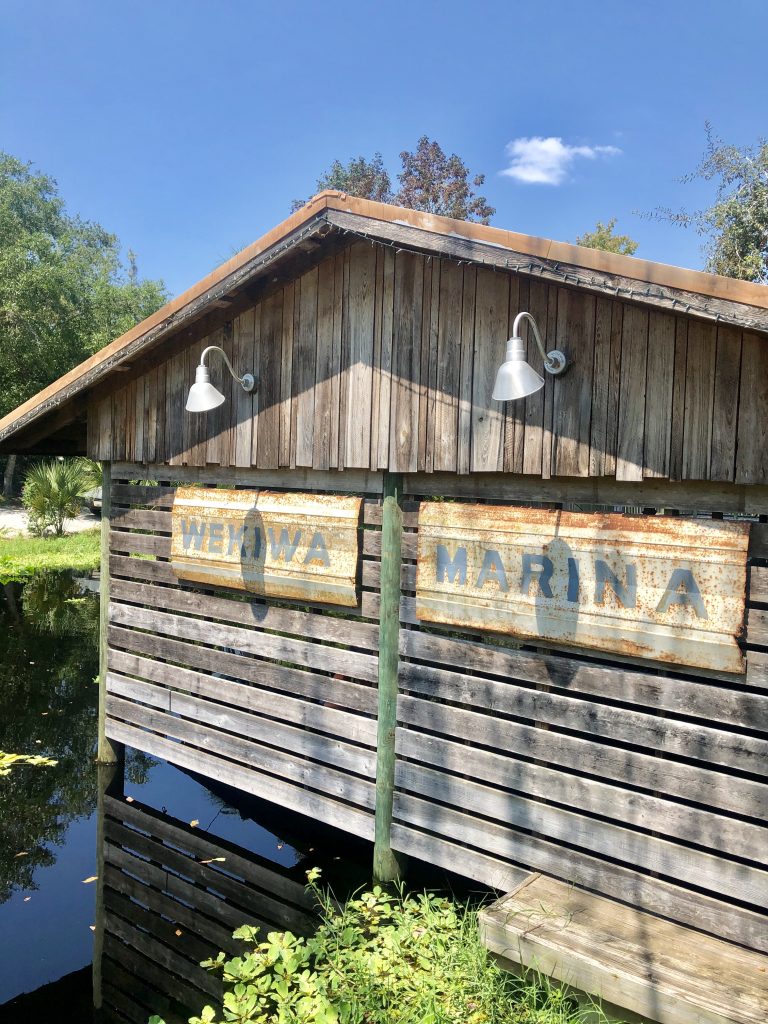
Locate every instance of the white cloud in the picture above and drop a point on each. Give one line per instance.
(540, 161)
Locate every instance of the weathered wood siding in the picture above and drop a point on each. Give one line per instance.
(172, 897)
(277, 700)
(382, 360)
(640, 783)
(643, 783)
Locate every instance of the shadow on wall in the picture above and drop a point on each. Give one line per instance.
(374, 360)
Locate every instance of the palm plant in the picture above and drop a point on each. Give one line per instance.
(53, 492)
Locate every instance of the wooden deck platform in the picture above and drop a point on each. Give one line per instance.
(658, 970)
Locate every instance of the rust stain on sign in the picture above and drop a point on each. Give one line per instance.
(299, 546)
(671, 590)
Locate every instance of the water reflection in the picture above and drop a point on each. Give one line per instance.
(48, 660)
(168, 894)
(153, 879)
(48, 705)
(171, 897)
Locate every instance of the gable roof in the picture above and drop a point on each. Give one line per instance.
(689, 291)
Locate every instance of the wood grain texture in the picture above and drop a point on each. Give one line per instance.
(699, 397)
(632, 394)
(533, 444)
(380, 459)
(270, 361)
(752, 450)
(305, 344)
(244, 409)
(491, 333)
(358, 355)
(660, 376)
(600, 388)
(726, 404)
(287, 339)
(406, 363)
(572, 392)
(448, 370)
(659, 970)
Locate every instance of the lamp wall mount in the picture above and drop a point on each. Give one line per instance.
(203, 396)
(247, 382)
(555, 361)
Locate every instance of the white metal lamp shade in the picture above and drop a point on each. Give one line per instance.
(203, 395)
(516, 378)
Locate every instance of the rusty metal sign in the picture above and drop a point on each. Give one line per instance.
(299, 546)
(671, 590)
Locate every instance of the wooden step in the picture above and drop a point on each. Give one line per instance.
(658, 970)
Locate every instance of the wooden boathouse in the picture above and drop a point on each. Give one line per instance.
(531, 642)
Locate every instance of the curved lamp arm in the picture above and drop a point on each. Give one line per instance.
(247, 381)
(554, 361)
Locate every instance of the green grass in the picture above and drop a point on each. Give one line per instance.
(382, 959)
(23, 556)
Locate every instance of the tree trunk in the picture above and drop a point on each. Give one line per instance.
(10, 468)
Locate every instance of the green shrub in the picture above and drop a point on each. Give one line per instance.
(381, 959)
(53, 492)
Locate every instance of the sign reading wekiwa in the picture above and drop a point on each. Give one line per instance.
(299, 546)
(667, 589)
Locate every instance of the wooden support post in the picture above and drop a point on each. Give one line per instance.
(386, 865)
(107, 752)
(110, 780)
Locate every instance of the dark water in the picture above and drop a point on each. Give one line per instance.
(169, 892)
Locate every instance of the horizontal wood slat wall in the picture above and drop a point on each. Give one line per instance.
(642, 784)
(279, 701)
(376, 360)
(173, 897)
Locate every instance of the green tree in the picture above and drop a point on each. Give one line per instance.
(366, 179)
(604, 237)
(429, 181)
(735, 226)
(64, 292)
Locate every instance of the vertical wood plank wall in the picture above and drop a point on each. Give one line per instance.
(278, 701)
(382, 360)
(640, 783)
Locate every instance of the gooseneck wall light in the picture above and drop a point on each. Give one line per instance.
(517, 378)
(203, 395)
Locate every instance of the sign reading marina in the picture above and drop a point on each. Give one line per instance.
(667, 589)
(303, 547)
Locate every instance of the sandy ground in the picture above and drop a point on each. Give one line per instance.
(13, 521)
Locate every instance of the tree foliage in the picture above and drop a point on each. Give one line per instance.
(735, 226)
(54, 491)
(436, 183)
(64, 292)
(366, 179)
(604, 237)
(429, 181)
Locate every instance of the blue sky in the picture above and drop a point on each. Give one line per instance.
(188, 127)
